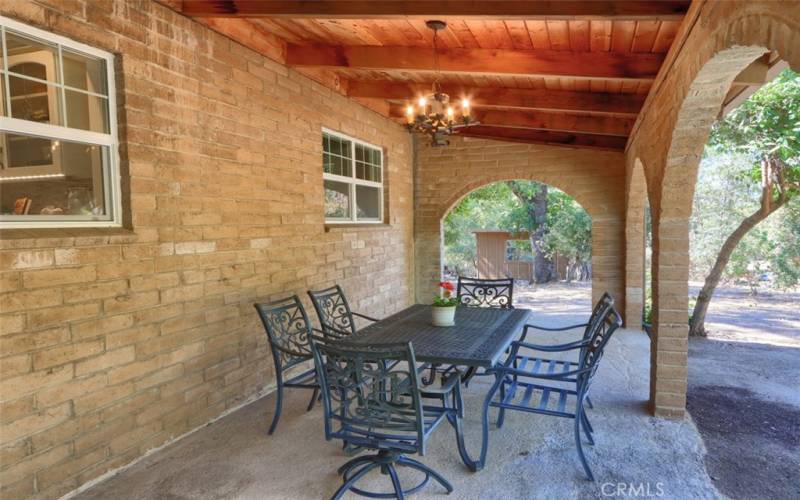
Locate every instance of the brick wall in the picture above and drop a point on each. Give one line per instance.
(717, 40)
(115, 342)
(594, 178)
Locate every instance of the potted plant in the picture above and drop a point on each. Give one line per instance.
(444, 306)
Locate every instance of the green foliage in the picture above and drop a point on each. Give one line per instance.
(765, 128)
(496, 207)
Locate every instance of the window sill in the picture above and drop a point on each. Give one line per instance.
(330, 226)
(109, 234)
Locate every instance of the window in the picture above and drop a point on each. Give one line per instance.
(58, 137)
(353, 179)
(519, 251)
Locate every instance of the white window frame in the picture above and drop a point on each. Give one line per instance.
(352, 181)
(111, 174)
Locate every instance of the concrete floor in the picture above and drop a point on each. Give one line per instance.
(532, 456)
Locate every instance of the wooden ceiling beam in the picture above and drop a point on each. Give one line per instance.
(560, 122)
(592, 65)
(388, 9)
(604, 142)
(624, 105)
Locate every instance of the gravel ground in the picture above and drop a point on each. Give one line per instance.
(744, 395)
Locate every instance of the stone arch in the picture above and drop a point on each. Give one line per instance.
(671, 138)
(595, 179)
(479, 183)
(635, 206)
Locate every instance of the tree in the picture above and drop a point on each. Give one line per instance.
(766, 129)
(533, 196)
(569, 235)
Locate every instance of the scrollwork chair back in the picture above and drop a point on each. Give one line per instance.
(496, 293)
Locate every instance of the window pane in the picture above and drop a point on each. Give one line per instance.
(87, 112)
(84, 72)
(337, 200)
(370, 169)
(368, 203)
(34, 101)
(32, 58)
(57, 177)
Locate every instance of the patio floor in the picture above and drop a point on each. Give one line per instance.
(532, 456)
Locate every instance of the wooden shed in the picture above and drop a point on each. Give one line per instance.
(497, 256)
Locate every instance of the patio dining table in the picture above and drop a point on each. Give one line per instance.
(478, 339)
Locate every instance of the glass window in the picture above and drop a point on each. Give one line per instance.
(353, 178)
(58, 144)
(519, 250)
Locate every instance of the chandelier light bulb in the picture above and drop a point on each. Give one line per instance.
(410, 113)
(450, 113)
(422, 102)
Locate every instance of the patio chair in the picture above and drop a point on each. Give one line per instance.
(369, 405)
(561, 390)
(602, 305)
(288, 331)
(335, 316)
(475, 292)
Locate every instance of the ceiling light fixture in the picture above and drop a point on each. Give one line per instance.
(434, 115)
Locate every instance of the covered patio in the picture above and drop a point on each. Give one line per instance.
(167, 164)
(529, 457)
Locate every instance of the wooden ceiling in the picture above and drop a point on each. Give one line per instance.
(567, 72)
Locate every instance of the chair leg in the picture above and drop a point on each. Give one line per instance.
(410, 462)
(579, 445)
(398, 489)
(313, 399)
(589, 402)
(278, 407)
(588, 424)
(587, 428)
(352, 463)
(352, 481)
(501, 414)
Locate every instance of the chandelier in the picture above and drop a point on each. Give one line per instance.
(433, 114)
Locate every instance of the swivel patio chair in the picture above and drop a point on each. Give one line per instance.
(288, 331)
(336, 318)
(475, 292)
(559, 393)
(375, 407)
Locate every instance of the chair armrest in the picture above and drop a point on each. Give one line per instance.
(550, 348)
(560, 329)
(365, 317)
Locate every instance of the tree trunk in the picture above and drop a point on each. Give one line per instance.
(536, 206)
(698, 318)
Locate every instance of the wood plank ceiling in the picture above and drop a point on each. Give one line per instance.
(570, 72)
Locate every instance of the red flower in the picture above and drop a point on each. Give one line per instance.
(447, 286)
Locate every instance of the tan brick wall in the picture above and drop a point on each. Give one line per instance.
(669, 137)
(594, 178)
(114, 342)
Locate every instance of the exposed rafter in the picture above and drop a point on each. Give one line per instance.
(498, 9)
(632, 66)
(537, 120)
(606, 142)
(626, 105)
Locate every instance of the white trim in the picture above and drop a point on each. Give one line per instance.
(111, 172)
(352, 181)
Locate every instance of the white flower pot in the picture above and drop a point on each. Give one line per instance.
(443, 316)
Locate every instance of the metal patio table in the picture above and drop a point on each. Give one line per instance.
(478, 339)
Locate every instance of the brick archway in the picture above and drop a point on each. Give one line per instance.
(636, 202)
(595, 179)
(670, 138)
